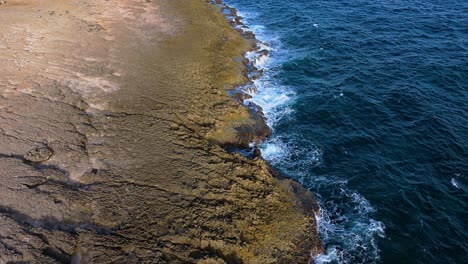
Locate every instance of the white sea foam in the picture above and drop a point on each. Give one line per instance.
(455, 183)
(348, 234)
(377, 227)
(273, 103)
(274, 151)
(246, 16)
(296, 157)
(261, 60)
(361, 204)
(329, 256)
(271, 96)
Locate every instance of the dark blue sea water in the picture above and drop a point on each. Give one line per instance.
(368, 101)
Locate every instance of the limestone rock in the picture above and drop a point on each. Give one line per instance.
(39, 154)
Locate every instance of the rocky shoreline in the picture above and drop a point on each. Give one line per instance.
(114, 122)
(260, 131)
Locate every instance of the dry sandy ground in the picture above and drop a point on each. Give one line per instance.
(111, 117)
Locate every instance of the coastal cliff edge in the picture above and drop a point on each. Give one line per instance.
(113, 119)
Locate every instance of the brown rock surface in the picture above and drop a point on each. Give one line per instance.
(121, 107)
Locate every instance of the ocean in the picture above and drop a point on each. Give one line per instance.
(368, 105)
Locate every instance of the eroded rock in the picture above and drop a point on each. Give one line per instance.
(39, 154)
(150, 186)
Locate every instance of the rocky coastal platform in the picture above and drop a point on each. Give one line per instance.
(114, 119)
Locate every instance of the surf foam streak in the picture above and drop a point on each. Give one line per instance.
(348, 235)
(454, 183)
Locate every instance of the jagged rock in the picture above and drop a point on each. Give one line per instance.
(264, 52)
(249, 35)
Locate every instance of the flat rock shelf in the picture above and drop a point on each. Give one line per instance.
(113, 118)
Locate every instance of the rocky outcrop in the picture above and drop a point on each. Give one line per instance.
(112, 118)
(39, 154)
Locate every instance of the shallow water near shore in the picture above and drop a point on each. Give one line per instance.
(368, 106)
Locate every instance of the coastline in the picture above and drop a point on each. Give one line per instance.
(137, 171)
(262, 130)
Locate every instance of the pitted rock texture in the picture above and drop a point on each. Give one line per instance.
(39, 154)
(112, 114)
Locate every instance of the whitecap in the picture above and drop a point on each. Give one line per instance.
(455, 183)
